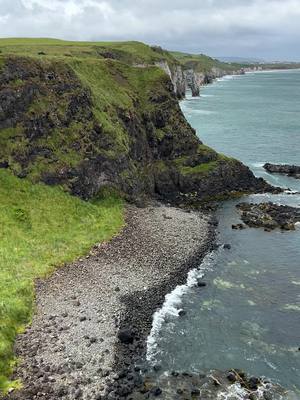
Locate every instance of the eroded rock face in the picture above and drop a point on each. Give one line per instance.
(290, 170)
(51, 131)
(269, 215)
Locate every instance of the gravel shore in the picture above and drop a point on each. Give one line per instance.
(72, 350)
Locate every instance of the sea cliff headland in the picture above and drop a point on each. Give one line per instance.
(95, 120)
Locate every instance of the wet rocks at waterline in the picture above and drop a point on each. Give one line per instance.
(290, 170)
(269, 215)
(215, 384)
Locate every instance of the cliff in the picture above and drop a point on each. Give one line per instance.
(90, 116)
(199, 70)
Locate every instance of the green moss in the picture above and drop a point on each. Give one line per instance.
(202, 169)
(9, 138)
(160, 166)
(41, 228)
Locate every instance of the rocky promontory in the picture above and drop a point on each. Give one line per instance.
(109, 122)
(286, 169)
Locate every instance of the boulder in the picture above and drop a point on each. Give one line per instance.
(126, 336)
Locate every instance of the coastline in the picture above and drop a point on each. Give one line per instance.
(73, 348)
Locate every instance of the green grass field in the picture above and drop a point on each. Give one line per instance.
(127, 51)
(41, 228)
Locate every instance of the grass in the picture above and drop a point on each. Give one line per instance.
(41, 228)
(128, 51)
(203, 168)
(203, 63)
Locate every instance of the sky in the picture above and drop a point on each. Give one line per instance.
(267, 29)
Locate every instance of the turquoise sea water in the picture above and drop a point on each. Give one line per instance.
(248, 316)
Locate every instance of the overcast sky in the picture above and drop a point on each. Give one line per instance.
(267, 29)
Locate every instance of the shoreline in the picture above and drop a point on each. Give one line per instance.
(72, 349)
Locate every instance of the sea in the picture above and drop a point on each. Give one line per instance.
(248, 315)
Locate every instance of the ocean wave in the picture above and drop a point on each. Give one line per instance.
(237, 392)
(257, 164)
(203, 112)
(225, 78)
(173, 301)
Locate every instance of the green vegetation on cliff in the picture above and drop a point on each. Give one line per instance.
(41, 228)
(131, 52)
(204, 64)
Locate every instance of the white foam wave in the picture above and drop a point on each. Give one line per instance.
(257, 164)
(203, 112)
(207, 95)
(237, 392)
(225, 78)
(172, 303)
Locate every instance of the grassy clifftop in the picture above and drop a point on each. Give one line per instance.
(128, 52)
(204, 64)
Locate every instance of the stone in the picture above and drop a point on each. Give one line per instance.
(269, 215)
(126, 336)
(195, 392)
(238, 226)
(78, 393)
(156, 391)
(231, 376)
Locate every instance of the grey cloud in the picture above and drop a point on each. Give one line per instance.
(265, 28)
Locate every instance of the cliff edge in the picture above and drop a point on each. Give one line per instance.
(95, 116)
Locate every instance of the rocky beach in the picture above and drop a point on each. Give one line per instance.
(92, 317)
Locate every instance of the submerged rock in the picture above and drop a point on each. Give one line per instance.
(269, 215)
(238, 226)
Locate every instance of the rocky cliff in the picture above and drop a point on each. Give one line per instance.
(199, 70)
(89, 123)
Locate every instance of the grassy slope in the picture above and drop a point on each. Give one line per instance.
(41, 227)
(129, 52)
(203, 63)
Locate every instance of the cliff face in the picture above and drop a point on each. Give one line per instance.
(91, 124)
(184, 79)
(199, 70)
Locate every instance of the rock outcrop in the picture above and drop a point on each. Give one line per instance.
(91, 125)
(269, 215)
(233, 384)
(290, 170)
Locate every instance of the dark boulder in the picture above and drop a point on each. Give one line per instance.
(290, 170)
(126, 336)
